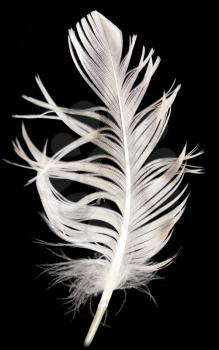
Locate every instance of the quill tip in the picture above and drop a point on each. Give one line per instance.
(101, 309)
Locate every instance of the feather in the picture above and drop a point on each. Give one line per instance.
(147, 195)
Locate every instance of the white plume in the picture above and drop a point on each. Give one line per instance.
(146, 195)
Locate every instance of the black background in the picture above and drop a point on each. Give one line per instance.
(35, 41)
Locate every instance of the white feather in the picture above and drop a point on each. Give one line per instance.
(144, 192)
